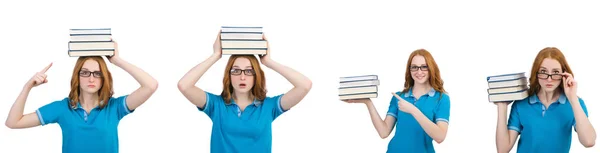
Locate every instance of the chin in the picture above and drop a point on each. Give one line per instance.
(90, 91)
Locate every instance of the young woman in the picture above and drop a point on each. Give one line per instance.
(89, 116)
(242, 114)
(545, 119)
(420, 112)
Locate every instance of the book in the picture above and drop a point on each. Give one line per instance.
(507, 87)
(358, 87)
(358, 78)
(357, 90)
(510, 96)
(359, 83)
(242, 40)
(358, 96)
(241, 29)
(90, 42)
(504, 77)
(507, 83)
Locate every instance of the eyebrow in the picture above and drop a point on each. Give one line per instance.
(556, 69)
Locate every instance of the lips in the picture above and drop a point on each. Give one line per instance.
(242, 85)
(549, 85)
(91, 86)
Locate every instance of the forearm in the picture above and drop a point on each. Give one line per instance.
(192, 76)
(502, 136)
(143, 78)
(294, 77)
(382, 128)
(585, 130)
(434, 131)
(16, 111)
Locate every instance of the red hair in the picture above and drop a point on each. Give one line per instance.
(435, 80)
(105, 91)
(259, 91)
(551, 53)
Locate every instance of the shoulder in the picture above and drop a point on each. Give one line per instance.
(274, 98)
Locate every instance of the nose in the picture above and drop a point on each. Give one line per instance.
(243, 77)
(549, 78)
(91, 79)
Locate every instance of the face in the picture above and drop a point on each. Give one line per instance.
(90, 77)
(242, 75)
(549, 74)
(419, 70)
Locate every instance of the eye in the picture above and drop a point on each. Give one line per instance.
(542, 71)
(556, 72)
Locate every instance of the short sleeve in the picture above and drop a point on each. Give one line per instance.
(209, 106)
(393, 108)
(514, 121)
(52, 112)
(582, 103)
(120, 104)
(442, 113)
(274, 103)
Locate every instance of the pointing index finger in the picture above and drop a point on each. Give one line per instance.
(46, 68)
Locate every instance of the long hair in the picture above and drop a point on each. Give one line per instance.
(104, 93)
(259, 91)
(435, 80)
(552, 53)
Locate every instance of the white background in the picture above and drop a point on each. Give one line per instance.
(323, 40)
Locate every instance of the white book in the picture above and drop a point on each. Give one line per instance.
(99, 31)
(507, 89)
(243, 44)
(359, 83)
(504, 77)
(507, 83)
(358, 78)
(241, 29)
(357, 90)
(91, 53)
(241, 36)
(244, 51)
(91, 46)
(90, 38)
(358, 96)
(503, 97)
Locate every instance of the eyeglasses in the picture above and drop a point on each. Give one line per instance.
(546, 75)
(84, 73)
(415, 68)
(247, 72)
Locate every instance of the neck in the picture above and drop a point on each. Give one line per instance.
(241, 97)
(88, 100)
(421, 87)
(548, 96)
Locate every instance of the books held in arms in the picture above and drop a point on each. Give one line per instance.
(90, 42)
(242, 40)
(358, 87)
(507, 87)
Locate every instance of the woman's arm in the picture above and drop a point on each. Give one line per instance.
(16, 119)
(187, 83)
(301, 83)
(383, 127)
(505, 139)
(148, 84)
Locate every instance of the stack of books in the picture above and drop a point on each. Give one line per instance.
(91, 42)
(507, 87)
(240, 40)
(358, 87)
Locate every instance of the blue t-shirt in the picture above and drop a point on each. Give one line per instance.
(542, 129)
(236, 131)
(95, 132)
(410, 136)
